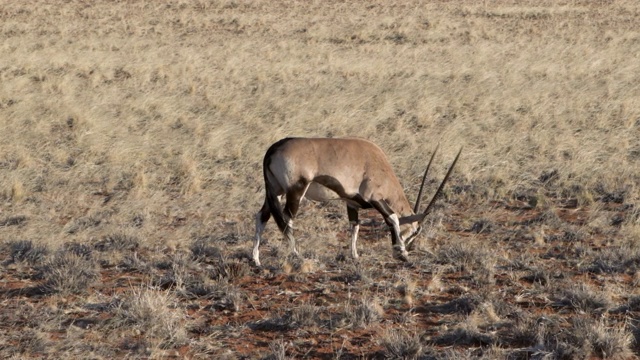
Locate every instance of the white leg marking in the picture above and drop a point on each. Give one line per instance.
(400, 251)
(354, 239)
(289, 235)
(256, 242)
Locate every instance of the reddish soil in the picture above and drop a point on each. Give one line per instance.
(250, 328)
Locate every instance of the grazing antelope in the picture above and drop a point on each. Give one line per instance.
(351, 169)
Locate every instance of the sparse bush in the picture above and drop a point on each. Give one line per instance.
(464, 256)
(277, 324)
(219, 266)
(27, 343)
(586, 338)
(603, 340)
(538, 276)
(305, 315)
(359, 315)
(78, 249)
(13, 220)
(154, 313)
(133, 262)
(471, 331)
(522, 334)
(583, 298)
(25, 250)
(67, 272)
(181, 272)
(278, 349)
(117, 241)
(202, 250)
(365, 313)
(399, 344)
(616, 259)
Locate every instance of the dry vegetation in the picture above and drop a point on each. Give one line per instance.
(131, 143)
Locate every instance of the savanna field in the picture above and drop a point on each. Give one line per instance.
(132, 135)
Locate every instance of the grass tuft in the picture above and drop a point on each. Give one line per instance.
(583, 299)
(153, 313)
(399, 344)
(117, 241)
(25, 250)
(67, 272)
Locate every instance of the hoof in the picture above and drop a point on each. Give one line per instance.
(402, 256)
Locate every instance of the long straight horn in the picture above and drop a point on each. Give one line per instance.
(420, 217)
(424, 178)
(433, 199)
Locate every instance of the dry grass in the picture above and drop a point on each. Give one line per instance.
(130, 171)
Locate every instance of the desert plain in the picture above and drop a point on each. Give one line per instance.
(132, 135)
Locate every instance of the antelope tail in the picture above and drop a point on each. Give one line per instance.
(272, 198)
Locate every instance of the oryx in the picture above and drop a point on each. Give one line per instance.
(351, 169)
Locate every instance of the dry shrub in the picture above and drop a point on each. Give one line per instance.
(583, 298)
(470, 257)
(360, 314)
(68, 272)
(117, 241)
(305, 315)
(603, 340)
(366, 312)
(399, 344)
(278, 349)
(619, 258)
(585, 338)
(26, 250)
(27, 343)
(154, 313)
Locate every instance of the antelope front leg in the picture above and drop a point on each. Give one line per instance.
(399, 249)
(288, 234)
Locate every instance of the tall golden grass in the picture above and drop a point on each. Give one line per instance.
(164, 109)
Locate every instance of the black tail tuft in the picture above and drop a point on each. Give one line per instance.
(272, 198)
(276, 210)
